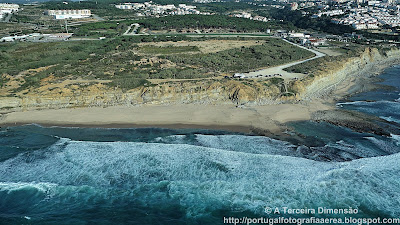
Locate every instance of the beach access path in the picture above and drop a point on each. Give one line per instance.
(130, 31)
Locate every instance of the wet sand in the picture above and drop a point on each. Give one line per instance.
(268, 118)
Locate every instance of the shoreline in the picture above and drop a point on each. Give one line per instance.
(268, 119)
(235, 129)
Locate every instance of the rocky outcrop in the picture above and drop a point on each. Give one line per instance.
(189, 92)
(357, 121)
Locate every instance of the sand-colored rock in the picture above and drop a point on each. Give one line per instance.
(339, 76)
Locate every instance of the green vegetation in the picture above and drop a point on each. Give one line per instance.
(104, 59)
(105, 28)
(276, 80)
(117, 60)
(17, 57)
(149, 49)
(204, 22)
(380, 36)
(128, 82)
(20, 18)
(311, 67)
(224, 7)
(273, 52)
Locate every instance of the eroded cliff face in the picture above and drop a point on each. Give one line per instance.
(100, 95)
(326, 81)
(94, 93)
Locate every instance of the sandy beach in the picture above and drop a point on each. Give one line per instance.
(224, 117)
(216, 113)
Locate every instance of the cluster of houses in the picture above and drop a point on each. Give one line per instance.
(358, 22)
(6, 8)
(247, 15)
(335, 12)
(150, 9)
(369, 18)
(373, 15)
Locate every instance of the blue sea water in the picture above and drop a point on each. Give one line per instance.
(382, 102)
(163, 176)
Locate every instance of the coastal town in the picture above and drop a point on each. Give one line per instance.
(372, 16)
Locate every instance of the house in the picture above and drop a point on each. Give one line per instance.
(6, 8)
(59, 37)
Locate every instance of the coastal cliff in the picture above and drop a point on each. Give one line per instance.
(94, 93)
(208, 91)
(337, 76)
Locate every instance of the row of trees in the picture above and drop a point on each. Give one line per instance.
(203, 22)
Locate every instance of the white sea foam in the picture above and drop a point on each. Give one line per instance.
(173, 139)
(250, 144)
(14, 186)
(203, 179)
(396, 138)
(385, 146)
(390, 119)
(360, 103)
(352, 103)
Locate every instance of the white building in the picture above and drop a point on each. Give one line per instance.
(184, 6)
(243, 15)
(131, 6)
(150, 9)
(297, 35)
(359, 26)
(6, 8)
(69, 14)
(239, 75)
(294, 6)
(124, 6)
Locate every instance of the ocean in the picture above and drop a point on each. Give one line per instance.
(55, 175)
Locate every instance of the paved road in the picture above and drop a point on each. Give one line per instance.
(133, 32)
(97, 17)
(6, 18)
(280, 69)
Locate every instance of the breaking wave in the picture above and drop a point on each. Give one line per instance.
(72, 177)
